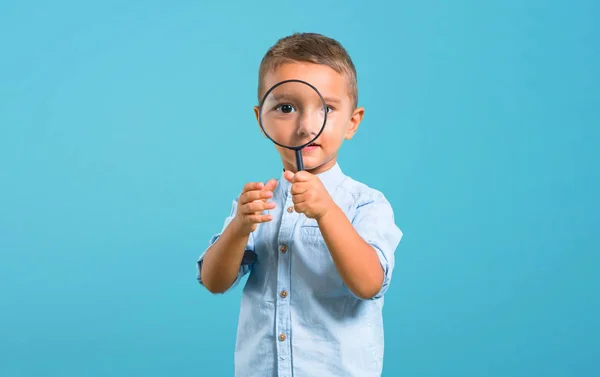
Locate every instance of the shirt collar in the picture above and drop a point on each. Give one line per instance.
(331, 178)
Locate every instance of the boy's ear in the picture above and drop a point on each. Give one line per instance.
(355, 119)
(256, 113)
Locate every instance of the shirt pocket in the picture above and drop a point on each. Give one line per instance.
(311, 233)
(316, 264)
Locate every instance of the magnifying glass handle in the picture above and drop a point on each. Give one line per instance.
(299, 161)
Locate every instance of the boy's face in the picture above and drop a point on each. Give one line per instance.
(342, 118)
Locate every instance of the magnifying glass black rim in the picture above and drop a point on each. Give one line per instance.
(262, 102)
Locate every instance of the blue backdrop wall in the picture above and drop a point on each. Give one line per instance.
(126, 129)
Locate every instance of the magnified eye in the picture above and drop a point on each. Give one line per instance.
(286, 108)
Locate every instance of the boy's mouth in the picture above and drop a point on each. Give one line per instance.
(312, 145)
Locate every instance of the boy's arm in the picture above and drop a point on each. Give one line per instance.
(363, 251)
(221, 265)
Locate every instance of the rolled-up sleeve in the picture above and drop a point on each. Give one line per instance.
(374, 222)
(247, 260)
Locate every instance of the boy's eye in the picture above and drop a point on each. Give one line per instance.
(286, 108)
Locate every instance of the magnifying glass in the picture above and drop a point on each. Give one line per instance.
(293, 114)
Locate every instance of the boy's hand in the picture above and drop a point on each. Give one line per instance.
(309, 194)
(251, 203)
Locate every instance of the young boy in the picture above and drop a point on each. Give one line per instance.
(318, 246)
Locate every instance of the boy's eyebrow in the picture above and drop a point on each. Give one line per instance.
(279, 96)
(332, 99)
(286, 96)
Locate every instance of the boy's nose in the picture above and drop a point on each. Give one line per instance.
(309, 124)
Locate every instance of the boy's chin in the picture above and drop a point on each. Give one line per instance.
(313, 164)
(313, 160)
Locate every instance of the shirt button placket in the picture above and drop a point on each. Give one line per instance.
(284, 362)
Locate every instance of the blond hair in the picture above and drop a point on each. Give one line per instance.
(312, 48)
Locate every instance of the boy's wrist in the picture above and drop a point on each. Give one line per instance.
(238, 228)
(324, 218)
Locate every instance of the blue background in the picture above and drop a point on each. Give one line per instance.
(126, 129)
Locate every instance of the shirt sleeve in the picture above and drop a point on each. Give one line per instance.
(374, 222)
(247, 260)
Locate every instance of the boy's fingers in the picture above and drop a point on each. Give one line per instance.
(271, 185)
(260, 218)
(299, 188)
(302, 176)
(300, 207)
(257, 206)
(252, 186)
(297, 199)
(250, 196)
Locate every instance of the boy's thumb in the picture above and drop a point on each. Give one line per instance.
(271, 184)
(289, 176)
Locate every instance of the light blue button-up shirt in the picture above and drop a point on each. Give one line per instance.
(297, 317)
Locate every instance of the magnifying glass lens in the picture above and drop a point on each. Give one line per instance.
(293, 114)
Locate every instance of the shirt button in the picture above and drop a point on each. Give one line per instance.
(290, 209)
(282, 337)
(283, 248)
(283, 294)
